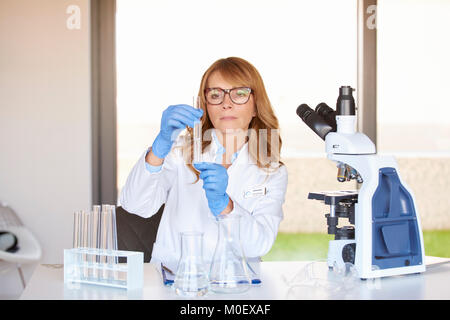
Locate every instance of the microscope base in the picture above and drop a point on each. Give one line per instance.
(341, 252)
(375, 272)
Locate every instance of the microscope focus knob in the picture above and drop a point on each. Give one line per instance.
(348, 253)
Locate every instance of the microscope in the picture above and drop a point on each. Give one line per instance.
(384, 237)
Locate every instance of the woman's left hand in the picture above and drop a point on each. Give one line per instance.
(215, 182)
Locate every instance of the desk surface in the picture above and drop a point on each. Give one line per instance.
(280, 280)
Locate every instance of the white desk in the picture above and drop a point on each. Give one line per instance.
(47, 282)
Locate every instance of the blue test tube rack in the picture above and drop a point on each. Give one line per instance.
(102, 267)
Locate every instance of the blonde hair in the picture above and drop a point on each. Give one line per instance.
(241, 73)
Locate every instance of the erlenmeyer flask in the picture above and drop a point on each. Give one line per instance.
(229, 271)
(191, 278)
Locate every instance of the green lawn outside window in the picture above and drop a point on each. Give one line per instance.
(314, 246)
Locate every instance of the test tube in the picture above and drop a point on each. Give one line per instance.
(107, 237)
(115, 259)
(84, 229)
(95, 236)
(104, 227)
(95, 228)
(76, 229)
(77, 239)
(102, 240)
(85, 239)
(197, 135)
(113, 236)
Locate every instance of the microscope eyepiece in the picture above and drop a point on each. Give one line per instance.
(303, 111)
(328, 114)
(345, 105)
(323, 119)
(346, 90)
(314, 120)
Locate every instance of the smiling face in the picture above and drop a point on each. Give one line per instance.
(229, 117)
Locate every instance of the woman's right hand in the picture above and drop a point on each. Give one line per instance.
(173, 120)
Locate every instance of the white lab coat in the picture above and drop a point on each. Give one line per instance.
(186, 206)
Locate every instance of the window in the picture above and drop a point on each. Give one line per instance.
(304, 50)
(413, 100)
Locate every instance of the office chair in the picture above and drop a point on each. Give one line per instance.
(26, 248)
(135, 233)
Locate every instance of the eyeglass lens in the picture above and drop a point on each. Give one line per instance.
(238, 95)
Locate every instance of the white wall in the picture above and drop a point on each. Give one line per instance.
(45, 118)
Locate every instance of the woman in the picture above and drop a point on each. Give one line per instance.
(240, 172)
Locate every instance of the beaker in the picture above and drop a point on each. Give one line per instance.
(229, 272)
(191, 278)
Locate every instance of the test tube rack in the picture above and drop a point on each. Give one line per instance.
(102, 267)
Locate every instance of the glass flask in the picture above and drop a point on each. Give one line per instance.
(191, 277)
(229, 272)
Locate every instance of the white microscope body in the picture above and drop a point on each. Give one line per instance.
(388, 238)
(358, 151)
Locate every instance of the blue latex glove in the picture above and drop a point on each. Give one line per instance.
(174, 119)
(215, 182)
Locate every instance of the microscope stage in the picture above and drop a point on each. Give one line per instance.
(333, 197)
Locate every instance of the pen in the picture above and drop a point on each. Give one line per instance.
(166, 281)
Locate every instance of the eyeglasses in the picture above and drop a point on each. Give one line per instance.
(238, 95)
